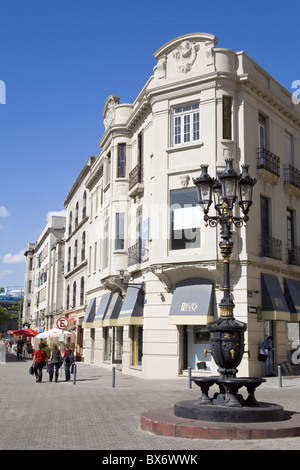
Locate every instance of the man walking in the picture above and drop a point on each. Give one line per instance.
(267, 348)
(20, 344)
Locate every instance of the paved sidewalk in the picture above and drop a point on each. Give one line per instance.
(91, 415)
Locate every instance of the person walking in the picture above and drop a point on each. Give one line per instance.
(267, 350)
(20, 344)
(68, 359)
(55, 362)
(40, 358)
(2, 351)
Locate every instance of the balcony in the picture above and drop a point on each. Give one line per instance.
(270, 247)
(268, 162)
(135, 254)
(293, 255)
(136, 181)
(292, 179)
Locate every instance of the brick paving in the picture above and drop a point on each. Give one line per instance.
(95, 416)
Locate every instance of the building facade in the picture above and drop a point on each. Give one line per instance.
(77, 206)
(44, 277)
(159, 273)
(152, 270)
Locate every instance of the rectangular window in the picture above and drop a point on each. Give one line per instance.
(119, 241)
(121, 161)
(95, 257)
(186, 124)
(90, 260)
(290, 219)
(227, 127)
(265, 216)
(106, 244)
(262, 130)
(185, 219)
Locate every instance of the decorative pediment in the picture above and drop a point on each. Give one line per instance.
(109, 110)
(185, 54)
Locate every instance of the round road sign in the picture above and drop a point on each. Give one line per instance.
(62, 323)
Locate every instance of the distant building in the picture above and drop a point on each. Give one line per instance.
(77, 205)
(44, 281)
(11, 300)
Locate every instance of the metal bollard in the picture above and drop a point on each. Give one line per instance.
(74, 374)
(279, 377)
(190, 377)
(113, 377)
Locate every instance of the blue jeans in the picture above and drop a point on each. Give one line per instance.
(56, 366)
(67, 366)
(38, 370)
(269, 365)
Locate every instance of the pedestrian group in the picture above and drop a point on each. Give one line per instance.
(53, 363)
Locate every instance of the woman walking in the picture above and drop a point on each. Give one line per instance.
(54, 363)
(40, 358)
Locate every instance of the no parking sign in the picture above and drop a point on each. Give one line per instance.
(62, 323)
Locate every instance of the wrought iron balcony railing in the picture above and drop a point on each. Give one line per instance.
(293, 255)
(270, 247)
(136, 176)
(135, 254)
(291, 176)
(268, 161)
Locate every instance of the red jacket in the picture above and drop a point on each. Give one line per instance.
(40, 355)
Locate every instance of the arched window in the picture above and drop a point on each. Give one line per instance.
(74, 295)
(82, 291)
(84, 205)
(75, 253)
(76, 214)
(69, 258)
(70, 223)
(83, 247)
(68, 298)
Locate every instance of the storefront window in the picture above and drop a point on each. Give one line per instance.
(196, 341)
(136, 345)
(117, 344)
(107, 343)
(113, 344)
(292, 340)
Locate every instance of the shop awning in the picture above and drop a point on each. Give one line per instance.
(113, 309)
(192, 302)
(274, 306)
(292, 295)
(101, 310)
(133, 306)
(89, 315)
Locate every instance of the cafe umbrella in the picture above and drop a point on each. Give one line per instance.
(53, 333)
(24, 332)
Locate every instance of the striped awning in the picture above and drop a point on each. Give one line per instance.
(133, 306)
(274, 305)
(89, 315)
(113, 309)
(101, 310)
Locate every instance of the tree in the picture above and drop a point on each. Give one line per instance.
(4, 315)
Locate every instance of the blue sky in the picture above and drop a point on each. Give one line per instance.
(61, 59)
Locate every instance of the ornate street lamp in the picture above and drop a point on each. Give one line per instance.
(227, 333)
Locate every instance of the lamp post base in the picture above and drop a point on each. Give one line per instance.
(264, 412)
(228, 405)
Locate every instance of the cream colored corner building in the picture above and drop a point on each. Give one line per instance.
(154, 271)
